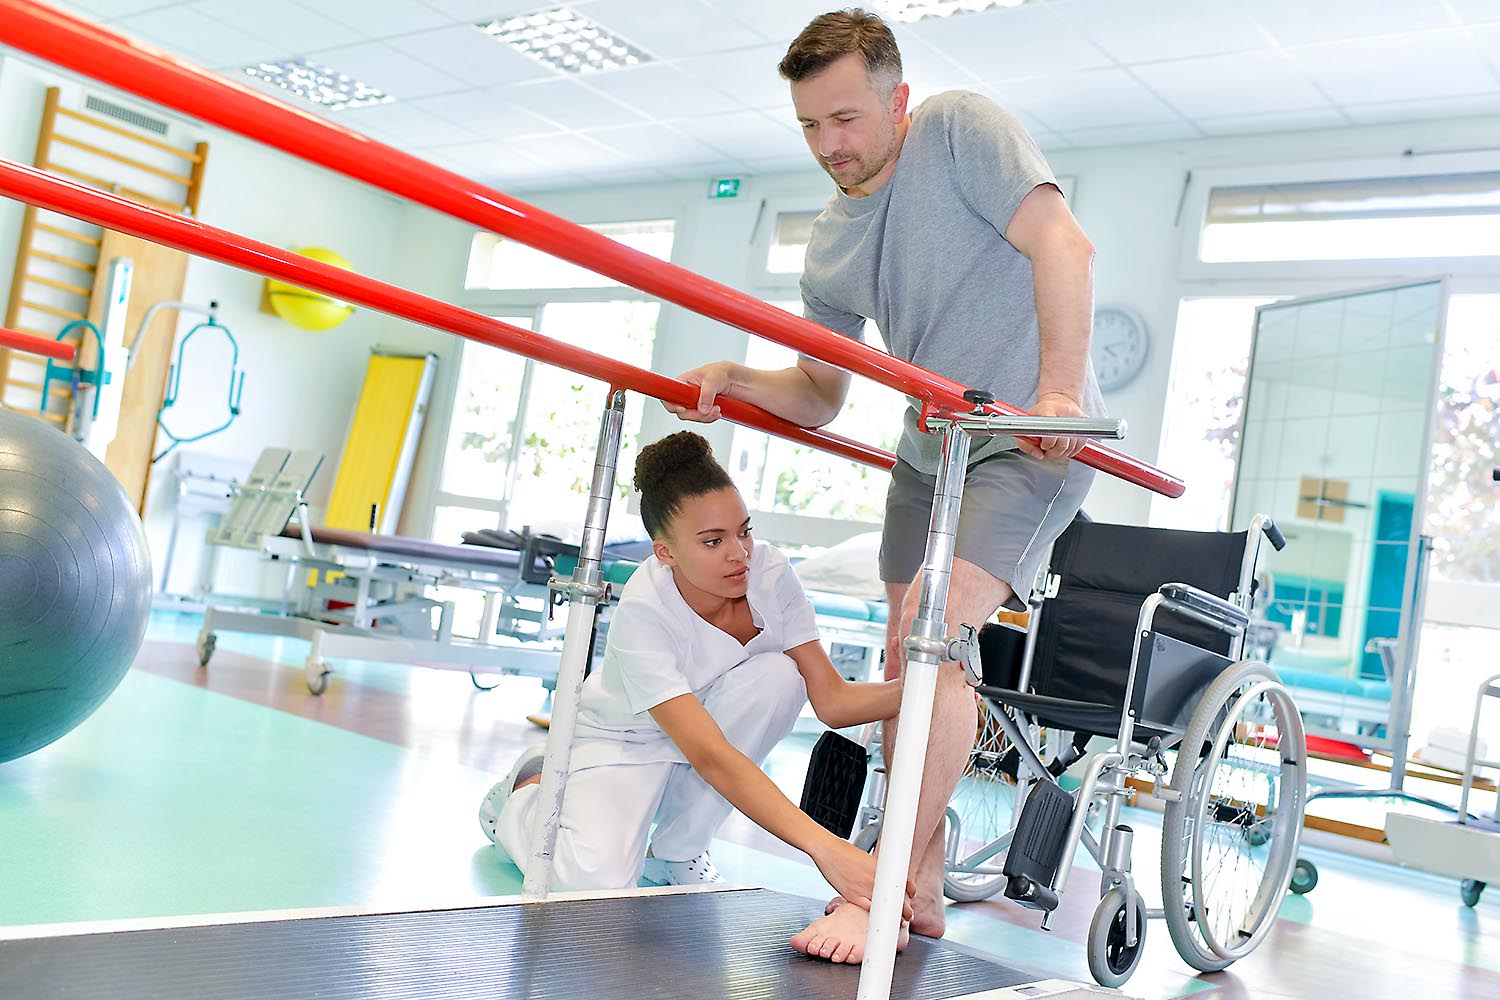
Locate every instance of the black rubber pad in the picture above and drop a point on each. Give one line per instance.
(694, 945)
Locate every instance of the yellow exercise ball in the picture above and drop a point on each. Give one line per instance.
(308, 309)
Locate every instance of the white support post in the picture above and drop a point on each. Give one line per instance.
(586, 592)
(923, 660)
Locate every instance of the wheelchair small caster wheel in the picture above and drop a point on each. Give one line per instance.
(1304, 877)
(1469, 890)
(1258, 834)
(317, 674)
(206, 646)
(1112, 959)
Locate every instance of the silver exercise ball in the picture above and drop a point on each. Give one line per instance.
(75, 584)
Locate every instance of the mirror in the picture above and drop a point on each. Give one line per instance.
(1334, 444)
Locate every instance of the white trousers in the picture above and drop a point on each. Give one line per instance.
(607, 809)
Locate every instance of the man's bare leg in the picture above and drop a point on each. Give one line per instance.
(973, 596)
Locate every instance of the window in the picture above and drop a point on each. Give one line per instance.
(789, 240)
(1463, 506)
(560, 426)
(1200, 426)
(521, 440)
(777, 476)
(502, 264)
(1382, 218)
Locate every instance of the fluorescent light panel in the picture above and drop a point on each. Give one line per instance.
(922, 10)
(565, 40)
(319, 84)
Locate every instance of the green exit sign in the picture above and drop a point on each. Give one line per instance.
(724, 187)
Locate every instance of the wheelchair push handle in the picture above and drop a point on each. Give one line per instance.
(1274, 536)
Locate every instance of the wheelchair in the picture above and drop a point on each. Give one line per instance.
(1111, 651)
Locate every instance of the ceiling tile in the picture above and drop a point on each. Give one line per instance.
(1010, 43)
(1133, 31)
(490, 113)
(1283, 121)
(1242, 83)
(199, 37)
(749, 74)
(382, 18)
(569, 103)
(481, 155)
(654, 143)
(471, 56)
(672, 30)
(567, 150)
(786, 165)
(1446, 107)
(777, 21)
(661, 91)
(379, 65)
(1131, 135)
(1476, 11)
(705, 171)
(479, 10)
(1096, 98)
(1299, 22)
(923, 66)
(109, 9)
(1431, 64)
(411, 127)
(292, 27)
(746, 135)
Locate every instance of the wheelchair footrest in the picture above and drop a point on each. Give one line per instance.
(1036, 851)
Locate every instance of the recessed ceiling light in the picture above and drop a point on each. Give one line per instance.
(564, 40)
(922, 10)
(319, 84)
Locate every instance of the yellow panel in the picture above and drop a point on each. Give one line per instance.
(387, 404)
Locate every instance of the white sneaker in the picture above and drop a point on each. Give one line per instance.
(696, 871)
(527, 765)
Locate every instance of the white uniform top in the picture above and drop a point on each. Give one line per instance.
(659, 648)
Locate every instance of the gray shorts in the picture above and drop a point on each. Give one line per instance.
(1014, 507)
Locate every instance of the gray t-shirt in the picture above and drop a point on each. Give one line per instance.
(925, 258)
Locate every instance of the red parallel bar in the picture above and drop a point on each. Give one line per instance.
(191, 236)
(37, 345)
(92, 51)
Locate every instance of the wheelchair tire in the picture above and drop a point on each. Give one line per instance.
(982, 810)
(1111, 960)
(1220, 890)
(1469, 890)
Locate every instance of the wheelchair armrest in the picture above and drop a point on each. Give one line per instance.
(1205, 607)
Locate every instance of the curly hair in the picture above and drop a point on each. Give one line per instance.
(670, 471)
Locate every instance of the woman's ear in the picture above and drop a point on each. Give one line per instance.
(663, 553)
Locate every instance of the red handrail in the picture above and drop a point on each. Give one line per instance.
(92, 51)
(191, 236)
(18, 341)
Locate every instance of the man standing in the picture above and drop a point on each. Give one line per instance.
(947, 229)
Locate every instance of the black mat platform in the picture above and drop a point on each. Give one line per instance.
(697, 945)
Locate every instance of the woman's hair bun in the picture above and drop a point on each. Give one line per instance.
(660, 459)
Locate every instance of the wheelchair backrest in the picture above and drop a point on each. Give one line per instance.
(1106, 571)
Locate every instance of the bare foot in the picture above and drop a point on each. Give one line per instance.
(839, 935)
(931, 916)
(931, 919)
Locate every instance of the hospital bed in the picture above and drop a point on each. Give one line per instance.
(379, 597)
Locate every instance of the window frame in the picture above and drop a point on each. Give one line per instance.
(1319, 274)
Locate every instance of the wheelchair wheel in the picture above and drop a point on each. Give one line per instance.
(981, 811)
(1241, 767)
(1111, 959)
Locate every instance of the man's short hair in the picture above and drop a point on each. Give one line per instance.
(830, 37)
